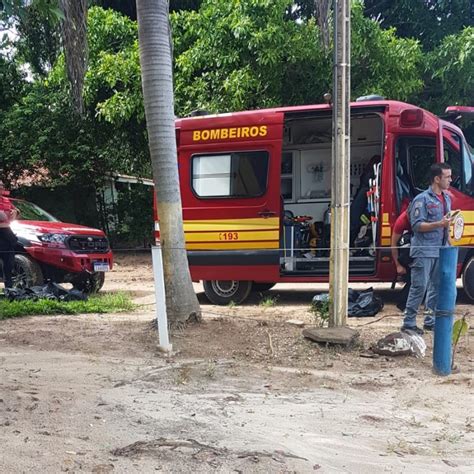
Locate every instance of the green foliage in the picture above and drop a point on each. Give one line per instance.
(38, 42)
(12, 83)
(244, 54)
(428, 21)
(102, 303)
(42, 132)
(449, 72)
(268, 301)
(460, 328)
(134, 211)
(382, 63)
(234, 55)
(320, 311)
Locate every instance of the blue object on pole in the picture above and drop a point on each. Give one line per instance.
(443, 331)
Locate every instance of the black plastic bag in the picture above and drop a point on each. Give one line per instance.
(49, 291)
(363, 303)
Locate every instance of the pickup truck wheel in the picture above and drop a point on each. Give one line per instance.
(468, 279)
(90, 284)
(26, 272)
(262, 286)
(223, 292)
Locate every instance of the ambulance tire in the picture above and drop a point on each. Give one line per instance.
(26, 272)
(224, 292)
(468, 279)
(262, 286)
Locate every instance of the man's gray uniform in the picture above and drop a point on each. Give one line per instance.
(426, 207)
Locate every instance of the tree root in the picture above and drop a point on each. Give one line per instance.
(143, 447)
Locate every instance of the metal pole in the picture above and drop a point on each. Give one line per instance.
(160, 297)
(443, 331)
(340, 175)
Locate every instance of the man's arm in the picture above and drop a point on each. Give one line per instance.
(429, 226)
(419, 218)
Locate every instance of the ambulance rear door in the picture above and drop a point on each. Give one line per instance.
(230, 185)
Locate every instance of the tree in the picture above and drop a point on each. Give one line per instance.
(244, 54)
(38, 42)
(449, 72)
(383, 63)
(157, 81)
(73, 14)
(74, 36)
(428, 21)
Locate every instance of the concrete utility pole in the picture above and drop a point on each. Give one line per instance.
(340, 198)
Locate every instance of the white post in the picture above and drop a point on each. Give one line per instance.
(160, 297)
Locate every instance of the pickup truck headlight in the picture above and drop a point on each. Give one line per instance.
(53, 240)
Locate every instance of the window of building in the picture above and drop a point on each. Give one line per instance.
(240, 174)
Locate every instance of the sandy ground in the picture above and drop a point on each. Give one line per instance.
(242, 392)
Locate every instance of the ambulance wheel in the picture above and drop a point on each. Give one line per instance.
(26, 272)
(223, 292)
(262, 286)
(468, 279)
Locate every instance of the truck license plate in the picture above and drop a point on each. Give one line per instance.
(101, 267)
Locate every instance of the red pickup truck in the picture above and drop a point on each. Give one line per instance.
(56, 251)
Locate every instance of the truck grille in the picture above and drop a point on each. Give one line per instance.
(88, 244)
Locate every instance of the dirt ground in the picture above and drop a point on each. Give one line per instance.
(242, 392)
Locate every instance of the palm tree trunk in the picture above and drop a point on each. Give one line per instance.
(157, 83)
(322, 11)
(74, 36)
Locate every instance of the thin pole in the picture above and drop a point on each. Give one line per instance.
(340, 175)
(160, 297)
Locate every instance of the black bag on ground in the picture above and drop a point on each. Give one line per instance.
(363, 303)
(49, 291)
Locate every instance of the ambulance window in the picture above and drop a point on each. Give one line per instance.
(240, 174)
(452, 156)
(416, 155)
(457, 154)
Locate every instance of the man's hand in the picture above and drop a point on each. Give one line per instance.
(445, 222)
(401, 270)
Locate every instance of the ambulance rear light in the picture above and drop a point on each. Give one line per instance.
(411, 118)
(459, 109)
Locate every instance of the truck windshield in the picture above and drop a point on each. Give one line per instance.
(31, 212)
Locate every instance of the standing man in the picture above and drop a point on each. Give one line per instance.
(430, 232)
(7, 238)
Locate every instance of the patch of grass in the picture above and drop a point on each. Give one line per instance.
(320, 312)
(101, 303)
(210, 370)
(268, 301)
(232, 304)
(183, 375)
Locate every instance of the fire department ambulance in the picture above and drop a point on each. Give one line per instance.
(256, 194)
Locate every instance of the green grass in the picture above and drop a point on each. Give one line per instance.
(101, 303)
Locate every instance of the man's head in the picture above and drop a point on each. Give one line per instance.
(440, 175)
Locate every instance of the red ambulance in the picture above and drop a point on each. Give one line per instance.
(255, 189)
